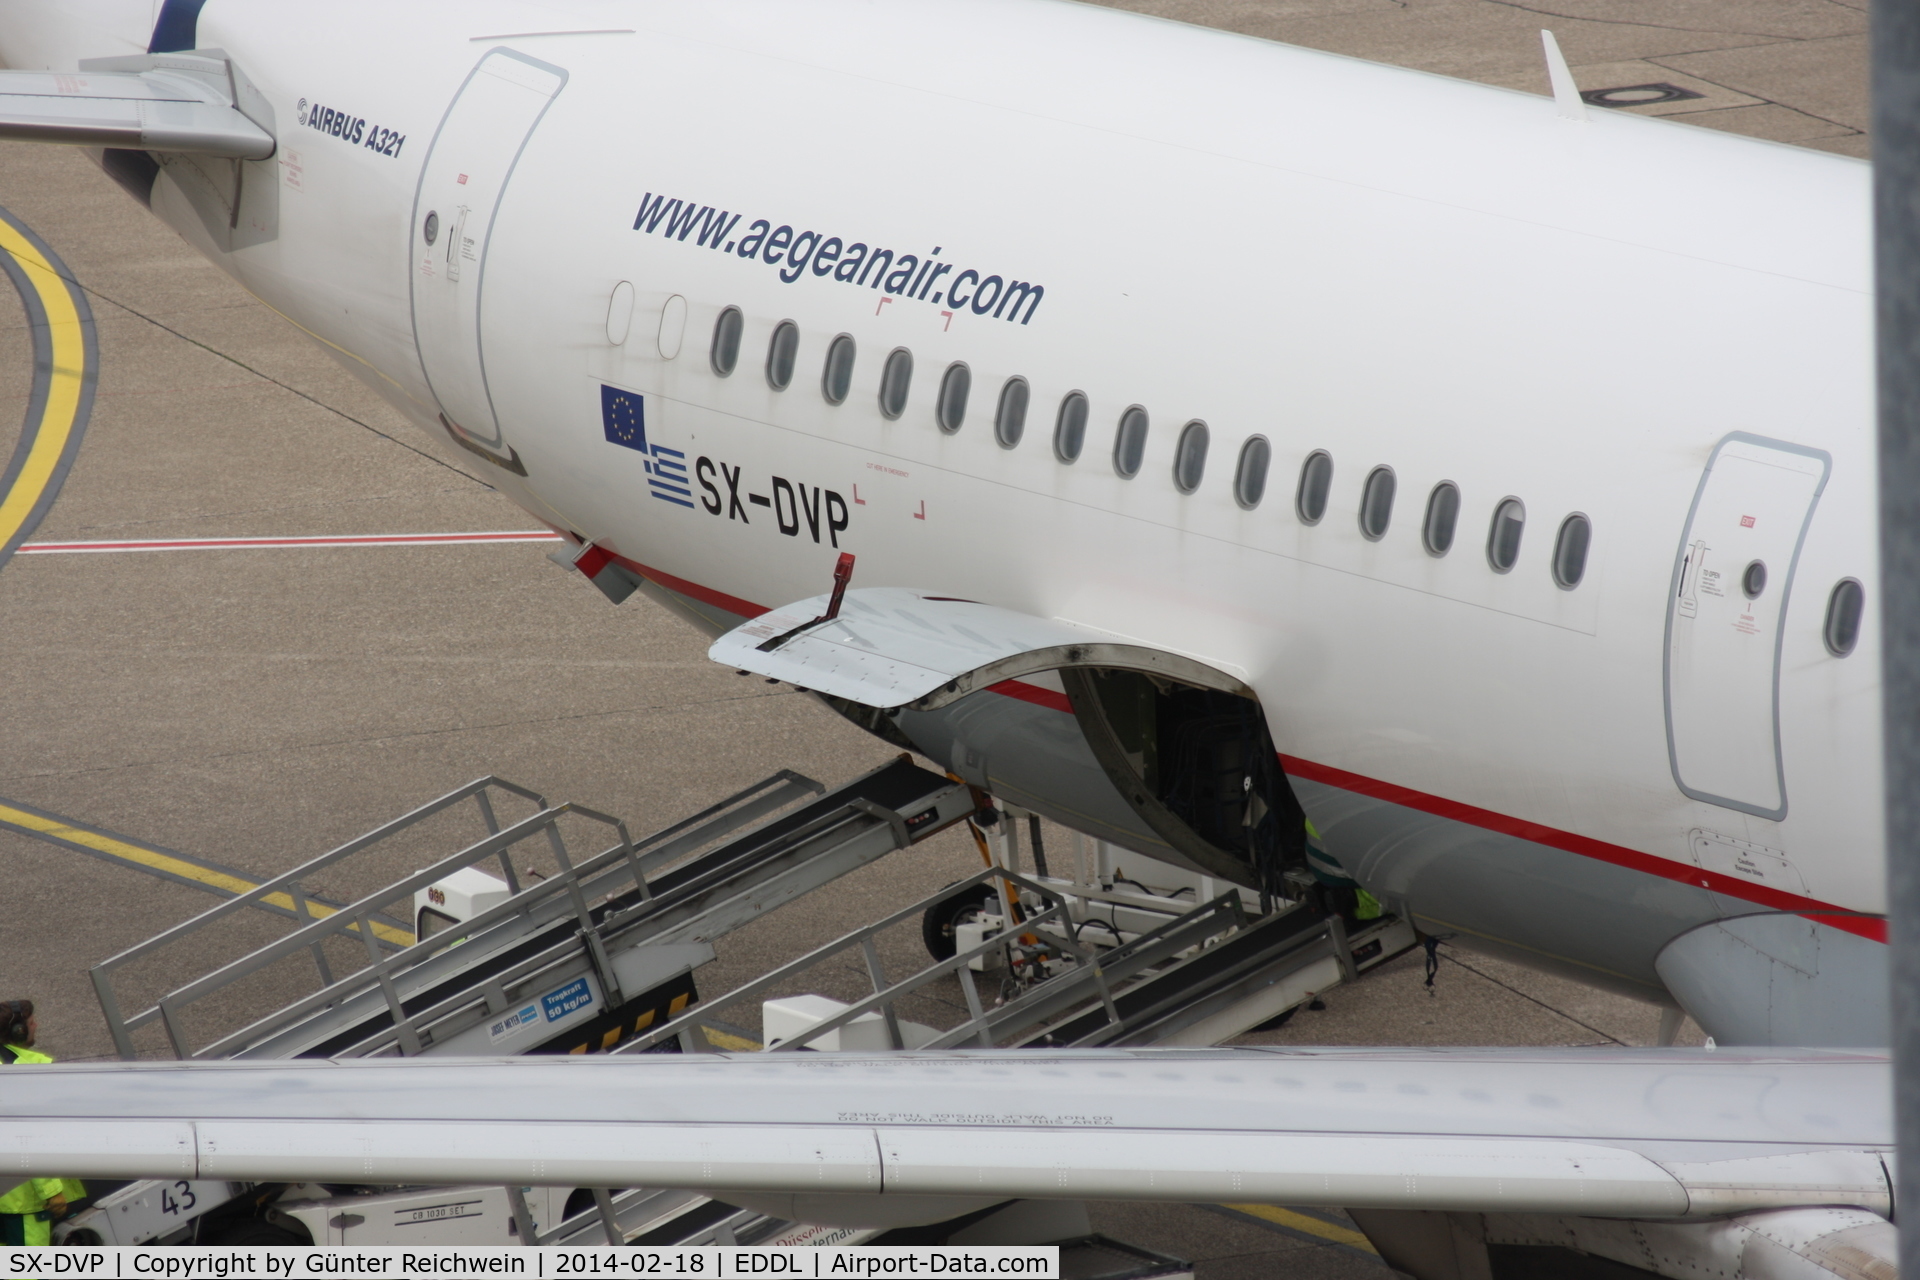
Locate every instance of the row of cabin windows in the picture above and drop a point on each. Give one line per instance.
(1438, 526)
(1441, 521)
(1569, 562)
(1010, 411)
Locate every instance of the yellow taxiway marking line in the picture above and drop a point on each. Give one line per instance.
(1330, 1231)
(154, 860)
(725, 1040)
(62, 407)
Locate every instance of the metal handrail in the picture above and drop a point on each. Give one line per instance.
(422, 1022)
(301, 872)
(686, 1022)
(599, 877)
(348, 917)
(1119, 964)
(1093, 975)
(813, 829)
(339, 993)
(603, 875)
(288, 882)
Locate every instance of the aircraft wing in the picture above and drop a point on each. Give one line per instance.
(1673, 1134)
(154, 110)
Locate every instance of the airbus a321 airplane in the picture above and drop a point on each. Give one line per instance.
(1180, 435)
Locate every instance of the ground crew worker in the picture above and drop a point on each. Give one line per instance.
(1328, 871)
(28, 1211)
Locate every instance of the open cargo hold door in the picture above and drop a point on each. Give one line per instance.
(1198, 765)
(1184, 743)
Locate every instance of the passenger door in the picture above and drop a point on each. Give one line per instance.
(1725, 618)
(466, 173)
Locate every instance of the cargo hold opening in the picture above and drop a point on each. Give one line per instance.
(1199, 767)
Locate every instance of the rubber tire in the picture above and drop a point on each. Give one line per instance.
(1274, 1023)
(937, 921)
(580, 1200)
(252, 1231)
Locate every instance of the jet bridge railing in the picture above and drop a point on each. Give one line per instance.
(391, 946)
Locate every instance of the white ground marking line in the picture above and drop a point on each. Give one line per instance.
(245, 544)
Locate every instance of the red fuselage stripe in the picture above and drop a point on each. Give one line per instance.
(705, 595)
(1866, 926)
(1619, 855)
(1873, 927)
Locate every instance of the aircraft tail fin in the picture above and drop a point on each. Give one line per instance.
(1566, 94)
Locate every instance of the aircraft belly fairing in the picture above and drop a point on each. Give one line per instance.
(1781, 978)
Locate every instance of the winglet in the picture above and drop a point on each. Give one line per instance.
(1566, 94)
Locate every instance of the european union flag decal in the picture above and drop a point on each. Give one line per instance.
(624, 416)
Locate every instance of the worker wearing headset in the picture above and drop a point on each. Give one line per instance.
(28, 1211)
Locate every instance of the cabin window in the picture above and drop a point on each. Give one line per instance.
(781, 353)
(951, 408)
(1376, 503)
(1753, 579)
(1190, 456)
(724, 354)
(1070, 428)
(1443, 515)
(1130, 442)
(1316, 482)
(1503, 535)
(836, 379)
(1250, 477)
(895, 379)
(1010, 415)
(1570, 551)
(1844, 609)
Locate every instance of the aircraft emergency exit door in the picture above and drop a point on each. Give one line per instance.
(466, 173)
(1725, 618)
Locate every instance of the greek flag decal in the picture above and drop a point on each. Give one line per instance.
(624, 416)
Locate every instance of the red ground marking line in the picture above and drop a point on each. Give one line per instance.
(1871, 927)
(224, 544)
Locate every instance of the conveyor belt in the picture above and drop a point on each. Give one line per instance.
(1288, 939)
(614, 936)
(679, 893)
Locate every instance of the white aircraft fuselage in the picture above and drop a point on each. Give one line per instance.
(521, 224)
